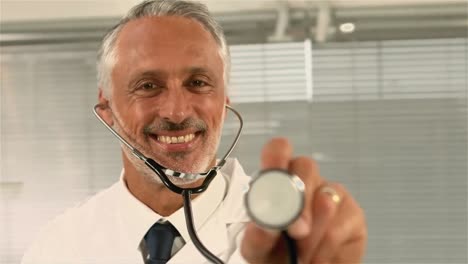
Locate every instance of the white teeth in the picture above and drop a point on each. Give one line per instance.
(174, 140)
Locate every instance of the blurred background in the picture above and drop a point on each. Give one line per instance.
(375, 90)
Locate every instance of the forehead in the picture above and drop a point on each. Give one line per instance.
(166, 38)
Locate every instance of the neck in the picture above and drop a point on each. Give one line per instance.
(153, 194)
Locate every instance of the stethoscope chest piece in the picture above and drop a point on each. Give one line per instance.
(275, 198)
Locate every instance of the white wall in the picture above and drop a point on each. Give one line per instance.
(23, 10)
(14, 10)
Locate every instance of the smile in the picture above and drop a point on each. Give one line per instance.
(176, 140)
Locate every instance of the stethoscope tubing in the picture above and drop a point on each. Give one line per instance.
(187, 192)
(162, 171)
(191, 230)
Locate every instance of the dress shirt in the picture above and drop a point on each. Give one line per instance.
(110, 226)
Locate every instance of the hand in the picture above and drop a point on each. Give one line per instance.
(331, 229)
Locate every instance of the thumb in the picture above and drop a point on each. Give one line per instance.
(258, 244)
(276, 154)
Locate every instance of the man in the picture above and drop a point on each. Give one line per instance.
(163, 75)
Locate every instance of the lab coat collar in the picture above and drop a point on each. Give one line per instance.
(137, 218)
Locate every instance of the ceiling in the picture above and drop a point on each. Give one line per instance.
(248, 21)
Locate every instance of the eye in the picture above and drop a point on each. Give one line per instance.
(148, 86)
(197, 83)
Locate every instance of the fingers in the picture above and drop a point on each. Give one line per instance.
(331, 227)
(324, 209)
(258, 244)
(325, 206)
(347, 226)
(307, 170)
(349, 253)
(276, 154)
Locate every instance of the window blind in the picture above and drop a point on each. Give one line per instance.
(388, 119)
(271, 72)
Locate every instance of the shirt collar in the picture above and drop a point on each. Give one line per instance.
(137, 218)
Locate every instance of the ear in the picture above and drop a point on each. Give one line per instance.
(104, 109)
(227, 102)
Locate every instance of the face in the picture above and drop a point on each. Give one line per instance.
(168, 94)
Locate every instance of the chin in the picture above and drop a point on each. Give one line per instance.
(180, 166)
(181, 182)
(186, 164)
(154, 178)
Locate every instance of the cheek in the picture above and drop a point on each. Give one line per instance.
(134, 116)
(143, 115)
(213, 110)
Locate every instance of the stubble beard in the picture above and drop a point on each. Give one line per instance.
(201, 164)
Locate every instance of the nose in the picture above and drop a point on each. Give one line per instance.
(175, 106)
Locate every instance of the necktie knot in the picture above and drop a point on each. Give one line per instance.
(159, 241)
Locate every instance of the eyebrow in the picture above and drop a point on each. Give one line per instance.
(150, 73)
(162, 74)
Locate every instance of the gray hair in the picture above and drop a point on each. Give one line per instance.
(107, 56)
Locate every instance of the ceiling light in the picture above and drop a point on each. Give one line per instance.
(347, 27)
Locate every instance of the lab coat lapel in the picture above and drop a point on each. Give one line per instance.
(213, 234)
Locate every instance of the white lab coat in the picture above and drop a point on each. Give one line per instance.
(109, 227)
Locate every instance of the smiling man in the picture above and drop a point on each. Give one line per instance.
(163, 75)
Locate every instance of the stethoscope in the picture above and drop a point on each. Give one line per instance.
(274, 199)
